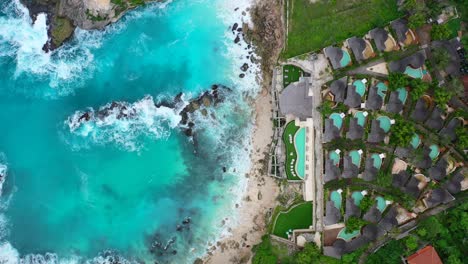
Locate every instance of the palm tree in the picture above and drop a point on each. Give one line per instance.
(441, 58)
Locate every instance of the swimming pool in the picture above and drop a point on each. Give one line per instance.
(381, 89)
(357, 197)
(361, 118)
(335, 197)
(355, 157)
(335, 157)
(434, 151)
(337, 120)
(348, 236)
(299, 141)
(377, 160)
(346, 59)
(360, 87)
(415, 141)
(385, 123)
(415, 73)
(381, 203)
(402, 94)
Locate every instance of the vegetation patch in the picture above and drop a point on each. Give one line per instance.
(312, 26)
(291, 154)
(298, 217)
(62, 29)
(291, 74)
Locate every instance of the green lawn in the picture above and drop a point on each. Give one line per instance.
(298, 217)
(454, 25)
(291, 74)
(291, 154)
(313, 26)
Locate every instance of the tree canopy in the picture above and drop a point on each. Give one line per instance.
(440, 32)
(397, 80)
(441, 58)
(354, 223)
(418, 88)
(417, 20)
(442, 96)
(402, 132)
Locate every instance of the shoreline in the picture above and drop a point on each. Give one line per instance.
(259, 198)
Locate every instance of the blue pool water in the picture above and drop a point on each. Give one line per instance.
(336, 198)
(402, 94)
(381, 205)
(355, 157)
(384, 123)
(381, 89)
(335, 157)
(361, 118)
(415, 141)
(357, 196)
(347, 236)
(300, 141)
(121, 184)
(377, 160)
(434, 151)
(360, 87)
(415, 73)
(346, 59)
(337, 120)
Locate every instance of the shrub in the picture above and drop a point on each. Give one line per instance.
(440, 32)
(441, 96)
(417, 20)
(402, 132)
(354, 223)
(397, 80)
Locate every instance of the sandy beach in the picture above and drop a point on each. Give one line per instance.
(259, 198)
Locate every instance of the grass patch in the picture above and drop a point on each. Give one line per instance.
(298, 217)
(454, 26)
(291, 154)
(291, 74)
(315, 25)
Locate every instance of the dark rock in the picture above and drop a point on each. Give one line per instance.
(242, 75)
(237, 39)
(234, 27)
(179, 228)
(187, 220)
(239, 30)
(244, 67)
(224, 169)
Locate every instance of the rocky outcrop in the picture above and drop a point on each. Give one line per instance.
(126, 111)
(63, 16)
(267, 34)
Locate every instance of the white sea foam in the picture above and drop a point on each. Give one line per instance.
(3, 175)
(9, 255)
(124, 123)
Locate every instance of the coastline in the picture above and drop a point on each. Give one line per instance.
(259, 198)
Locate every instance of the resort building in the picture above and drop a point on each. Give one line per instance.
(338, 90)
(412, 66)
(338, 57)
(296, 99)
(383, 40)
(427, 255)
(362, 49)
(405, 35)
(397, 101)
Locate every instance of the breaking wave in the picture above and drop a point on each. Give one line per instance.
(124, 123)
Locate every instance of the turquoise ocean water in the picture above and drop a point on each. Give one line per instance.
(120, 186)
